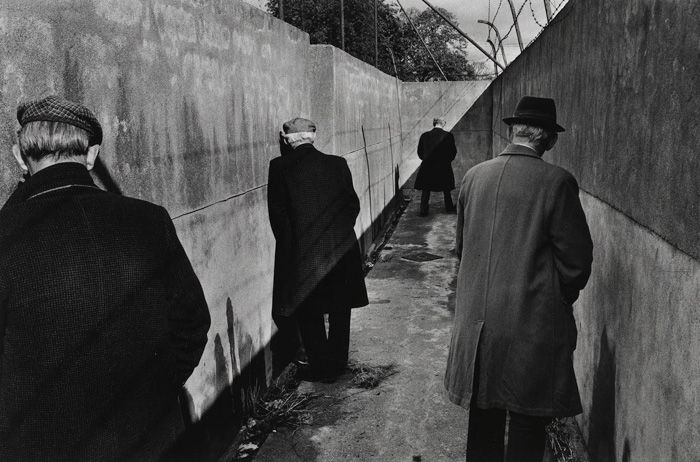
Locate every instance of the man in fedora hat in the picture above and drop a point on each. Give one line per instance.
(102, 318)
(525, 253)
(318, 266)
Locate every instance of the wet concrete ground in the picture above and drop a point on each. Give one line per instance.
(408, 324)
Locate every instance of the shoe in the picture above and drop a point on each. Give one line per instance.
(451, 210)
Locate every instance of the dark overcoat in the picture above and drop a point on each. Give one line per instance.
(526, 253)
(102, 319)
(437, 150)
(313, 206)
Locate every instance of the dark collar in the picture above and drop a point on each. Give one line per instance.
(57, 177)
(304, 148)
(520, 150)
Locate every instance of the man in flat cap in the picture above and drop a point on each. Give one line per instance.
(525, 253)
(437, 150)
(318, 266)
(102, 318)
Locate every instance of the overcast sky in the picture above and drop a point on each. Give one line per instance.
(469, 11)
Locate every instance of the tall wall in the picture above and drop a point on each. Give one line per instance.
(625, 77)
(191, 95)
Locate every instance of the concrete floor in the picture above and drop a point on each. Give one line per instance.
(407, 323)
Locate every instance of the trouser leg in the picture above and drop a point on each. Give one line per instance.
(526, 438)
(449, 205)
(339, 338)
(424, 200)
(313, 335)
(285, 343)
(485, 436)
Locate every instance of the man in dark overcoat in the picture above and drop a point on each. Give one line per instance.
(102, 318)
(437, 150)
(318, 266)
(526, 252)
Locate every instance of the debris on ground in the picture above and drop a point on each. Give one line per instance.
(368, 377)
(562, 441)
(393, 222)
(282, 405)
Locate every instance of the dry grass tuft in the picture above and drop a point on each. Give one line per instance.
(366, 376)
(561, 441)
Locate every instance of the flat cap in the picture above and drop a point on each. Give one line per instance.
(57, 109)
(298, 125)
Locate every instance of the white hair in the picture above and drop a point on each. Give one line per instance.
(536, 135)
(295, 139)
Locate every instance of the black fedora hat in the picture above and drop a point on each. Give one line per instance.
(540, 112)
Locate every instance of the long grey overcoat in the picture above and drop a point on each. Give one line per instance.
(526, 252)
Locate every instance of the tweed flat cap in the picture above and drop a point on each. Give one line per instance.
(56, 109)
(298, 125)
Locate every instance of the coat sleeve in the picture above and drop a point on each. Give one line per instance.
(188, 316)
(352, 202)
(451, 147)
(571, 239)
(459, 232)
(277, 204)
(421, 147)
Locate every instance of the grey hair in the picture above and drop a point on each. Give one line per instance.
(439, 121)
(297, 138)
(41, 139)
(536, 135)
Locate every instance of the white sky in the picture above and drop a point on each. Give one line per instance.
(469, 11)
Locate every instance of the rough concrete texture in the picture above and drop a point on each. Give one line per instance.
(639, 338)
(191, 95)
(407, 323)
(473, 135)
(626, 89)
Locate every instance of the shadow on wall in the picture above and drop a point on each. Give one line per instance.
(601, 434)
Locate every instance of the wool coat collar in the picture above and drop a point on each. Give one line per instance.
(56, 177)
(519, 150)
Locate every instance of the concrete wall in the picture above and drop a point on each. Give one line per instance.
(191, 95)
(626, 91)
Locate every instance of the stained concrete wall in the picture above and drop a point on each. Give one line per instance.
(191, 95)
(625, 79)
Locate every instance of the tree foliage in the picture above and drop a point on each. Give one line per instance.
(396, 38)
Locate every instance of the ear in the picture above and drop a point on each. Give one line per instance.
(18, 157)
(92, 154)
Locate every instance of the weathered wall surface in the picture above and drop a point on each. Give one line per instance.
(191, 95)
(626, 91)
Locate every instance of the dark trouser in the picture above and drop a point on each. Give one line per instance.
(485, 439)
(326, 352)
(425, 199)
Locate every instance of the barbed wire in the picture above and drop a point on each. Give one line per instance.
(532, 12)
(517, 15)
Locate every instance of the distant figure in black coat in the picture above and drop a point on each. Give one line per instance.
(437, 150)
(318, 265)
(102, 318)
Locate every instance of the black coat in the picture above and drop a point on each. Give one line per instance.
(313, 207)
(102, 319)
(437, 150)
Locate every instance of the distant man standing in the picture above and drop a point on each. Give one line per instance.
(437, 150)
(525, 253)
(102, 318)
(318, 266)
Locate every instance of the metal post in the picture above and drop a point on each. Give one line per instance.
(548, 10)
(515, 22)
(421, 39)
(463, 34)
(498, 36)
(493, 47)
(342, 24)
(376, 36)
(282, 10)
